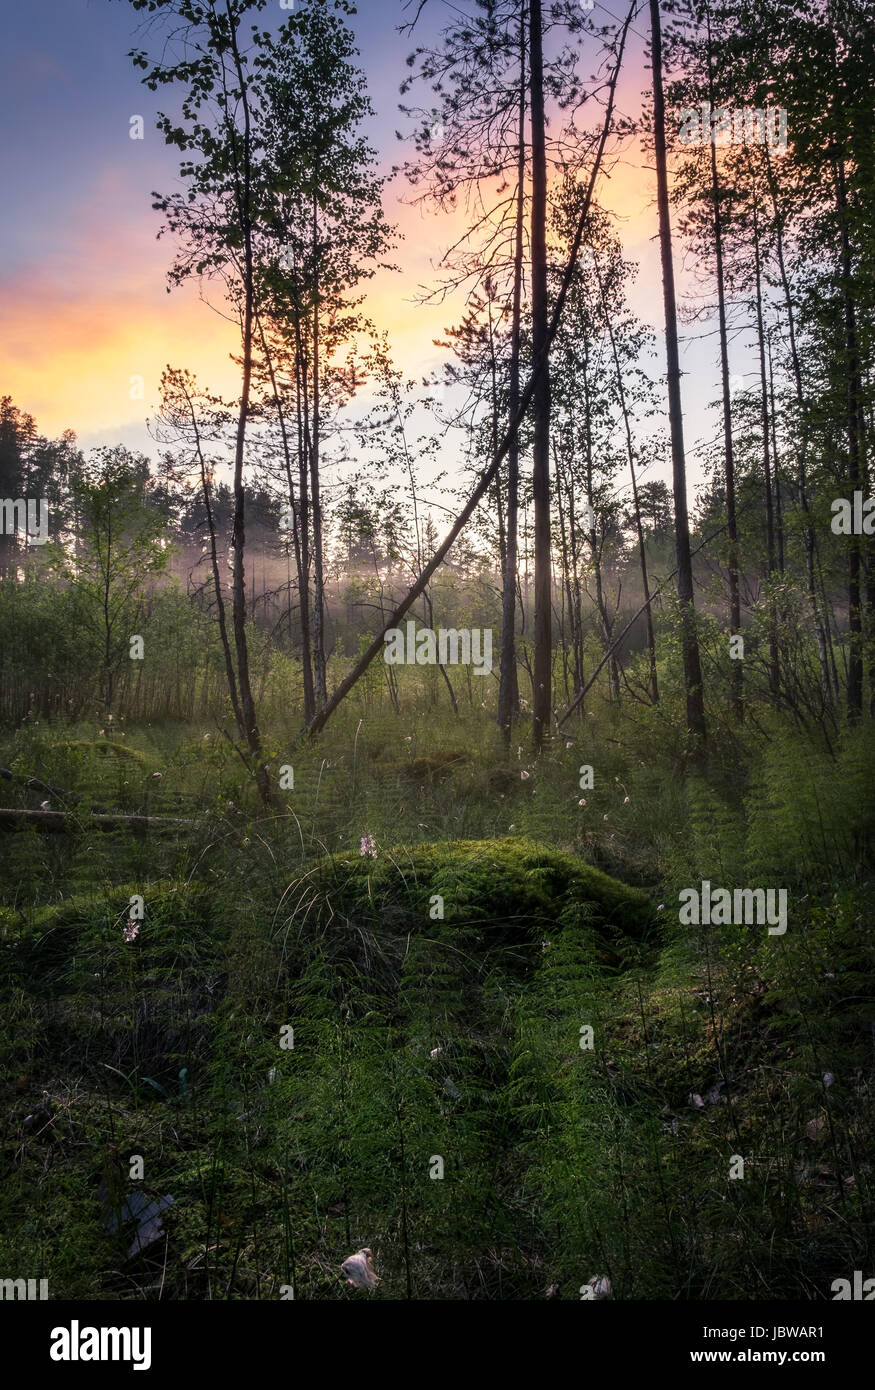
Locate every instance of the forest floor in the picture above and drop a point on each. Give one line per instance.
(440, 1006)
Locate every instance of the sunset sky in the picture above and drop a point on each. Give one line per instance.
(84, 287)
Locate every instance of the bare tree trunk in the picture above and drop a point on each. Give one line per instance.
(736, 679)
(543, 654)
(247, 704)
(508, 689)
(776, 475)
(767, 472)
(301, 389)
(820, 624)
(630, 452)
(595, 547)
(319, 685)
(296, 532)
(852, 369)
(690, 641)
(565, 545)
(214, 564)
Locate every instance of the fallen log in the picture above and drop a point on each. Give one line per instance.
(55, 822)
(34, 784)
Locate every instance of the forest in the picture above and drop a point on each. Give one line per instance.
(437, 789)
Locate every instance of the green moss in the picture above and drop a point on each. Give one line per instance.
(49, 943)
(510, 886)
(105, 746)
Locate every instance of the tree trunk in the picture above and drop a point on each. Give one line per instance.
(767, 472)
(319, 684)
(820, 623)
(541, 693)
(238, 541)
(508, 688)
(736, 680)
(692, 666)
(630, 452)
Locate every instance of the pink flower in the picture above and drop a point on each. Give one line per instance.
(131, 929)
(368, 846)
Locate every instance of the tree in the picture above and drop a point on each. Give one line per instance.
(690, 644)
(122, 543)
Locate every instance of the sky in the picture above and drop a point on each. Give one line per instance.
(86, 308)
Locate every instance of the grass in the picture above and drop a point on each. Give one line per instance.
(438, 991)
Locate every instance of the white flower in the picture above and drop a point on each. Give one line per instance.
(525, 775)
(582, 801)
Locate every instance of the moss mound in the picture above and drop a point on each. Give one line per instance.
(499, 891)
(106, 746)
(57, 946)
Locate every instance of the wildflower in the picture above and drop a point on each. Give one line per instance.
(569, 745)
(582, 801)
(605, 816)
(525, 775)
(625, 800)
(435, 1052)
(368, 846)
(131, 929)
